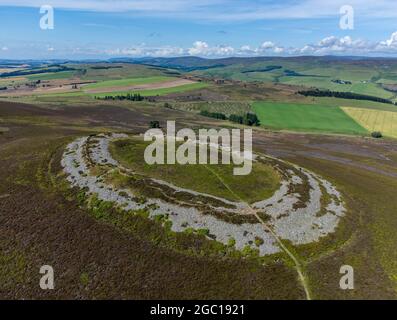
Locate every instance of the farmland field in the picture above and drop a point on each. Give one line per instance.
(371, 89)
(51, 76)
(375, 120)
(301, 117)
(127, 82)
(361, 79)
(155, 92)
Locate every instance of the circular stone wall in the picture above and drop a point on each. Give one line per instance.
(304, 208)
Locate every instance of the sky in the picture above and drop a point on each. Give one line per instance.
(102, 29)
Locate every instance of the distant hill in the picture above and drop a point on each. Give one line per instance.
(191, 63)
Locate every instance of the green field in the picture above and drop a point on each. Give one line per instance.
(306, 117)
(319, 73)
(51, 75)
(371, 89)
(156, 92)
(127, 82)
(364, 104)
(123, 71)
(145, 93)
(201, 178)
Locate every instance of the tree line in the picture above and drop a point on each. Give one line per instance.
(249, 119)
(343, 95)
(34, 71)
(128, 96)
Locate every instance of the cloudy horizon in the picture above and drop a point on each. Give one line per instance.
(101, 29)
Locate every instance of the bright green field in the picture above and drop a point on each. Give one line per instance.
(145, 93)
(156, 92)
(371, 89)
(201, 178)
(128, 82)
(302, 117)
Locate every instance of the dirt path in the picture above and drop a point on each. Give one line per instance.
(298, 265)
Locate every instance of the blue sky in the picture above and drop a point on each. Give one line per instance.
(209, 28)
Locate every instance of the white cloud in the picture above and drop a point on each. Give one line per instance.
(279, 50)
(246, 50)
(389, 44)
(334, 45)
(201, 48)
(144, 51)
(330, 45)
(224, 51)
(169, 51)
(328, 41)
(267, 45)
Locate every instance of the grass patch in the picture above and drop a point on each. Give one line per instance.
(51, 76)
(201, 178)
(371, 89)
(225, 107)
(156, 92)
(12, 269)
(127, 82)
